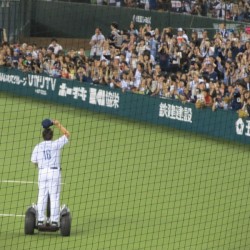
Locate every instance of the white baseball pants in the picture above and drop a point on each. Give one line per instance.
(49, 181)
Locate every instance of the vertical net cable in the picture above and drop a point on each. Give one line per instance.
(129, 183)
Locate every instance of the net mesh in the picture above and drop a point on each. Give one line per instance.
(128, 184)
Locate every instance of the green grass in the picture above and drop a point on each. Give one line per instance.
(129, 185)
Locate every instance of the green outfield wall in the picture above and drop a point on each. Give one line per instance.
(172, 113)
(78, 20)
(36, 18)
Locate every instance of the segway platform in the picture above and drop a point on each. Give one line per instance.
(47, 228)
(31, 221)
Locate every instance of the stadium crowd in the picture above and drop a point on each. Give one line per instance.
(168, 64)
(230, 10)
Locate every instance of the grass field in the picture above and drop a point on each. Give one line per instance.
(129, 185)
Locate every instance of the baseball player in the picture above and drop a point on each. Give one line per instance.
(46, 155)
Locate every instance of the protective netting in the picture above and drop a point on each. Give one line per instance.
(128, 185)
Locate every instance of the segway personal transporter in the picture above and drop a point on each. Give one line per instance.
(31, 220)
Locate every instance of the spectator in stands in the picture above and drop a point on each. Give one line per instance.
(152, 62)
(132, 29)
(207, 98)
(209, 70)
(96, 43)
(247, 78)
(152, 46)
(242, 10)
(124, 82)
(137, 76)
(55, 46)
(236, 93)
(152, 4)
(220, 102)
(141, 47)
(195, 39)
(182, 36)
(130, 3)
(22, 48)
(204, 37)
(144, 88)
(223, 31)
(163, 5)
(164, 57)
(203, 7)
(235, 12)
(158, 89)
(246, 107)
(2, 60)
(20, 65)
(15, 58)
(106, 54)
(65, 73)
(157, 35)
(196, 8)
(221, 8)
(115, 37)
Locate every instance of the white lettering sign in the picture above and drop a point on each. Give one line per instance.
(44, 84)
(76, 92)
(242, 128)
(142, 19)
(97, 97)
(175, 112)
(104, 98)
(41, 83)
(13, 79)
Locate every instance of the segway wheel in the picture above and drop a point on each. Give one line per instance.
(65, 225)
(30, 223)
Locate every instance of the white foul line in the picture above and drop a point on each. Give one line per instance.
(11, 215)
(21, 182)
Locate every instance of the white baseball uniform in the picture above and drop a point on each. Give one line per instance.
(47, 155)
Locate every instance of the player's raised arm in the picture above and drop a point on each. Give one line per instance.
(61, 128)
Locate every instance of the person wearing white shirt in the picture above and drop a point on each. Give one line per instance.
(124, 83)
(96, 42)
(56, 47)
(46, 156)
(138, 76)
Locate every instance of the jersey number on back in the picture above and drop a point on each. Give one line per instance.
(47, 154)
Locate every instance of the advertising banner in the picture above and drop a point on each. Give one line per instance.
(223, 124)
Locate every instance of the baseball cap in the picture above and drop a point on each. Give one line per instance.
(179, 29)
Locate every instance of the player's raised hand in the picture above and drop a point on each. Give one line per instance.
(56, 122)
(61, 127)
